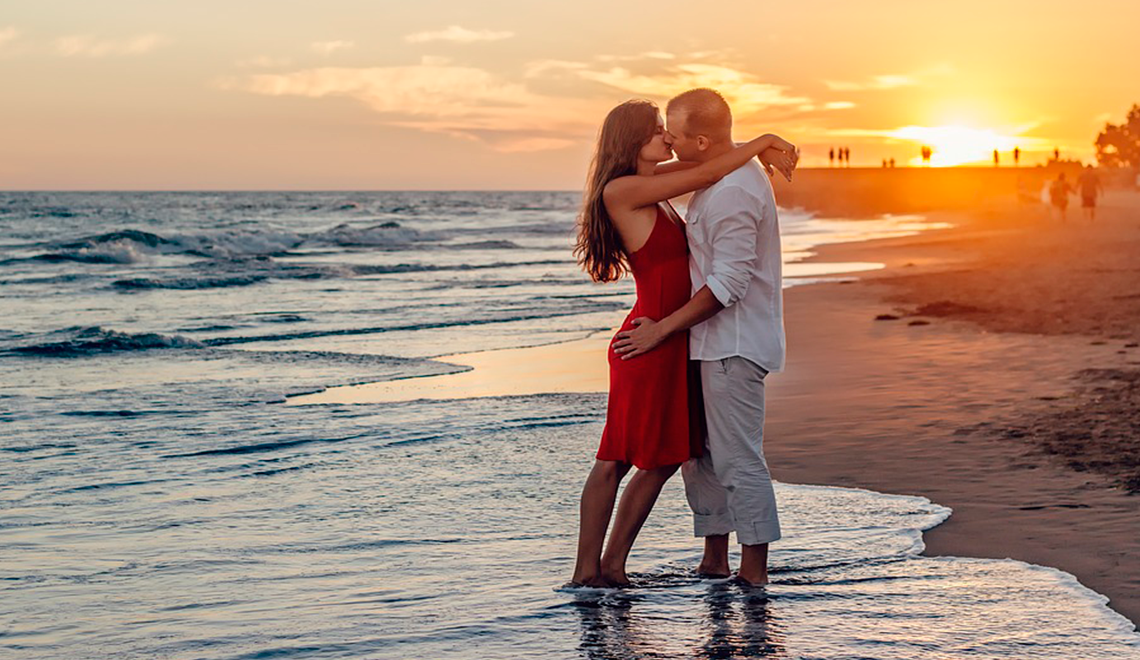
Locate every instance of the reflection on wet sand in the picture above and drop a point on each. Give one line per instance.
(573, 366)
(609, 629)
(736, 623)
(740, 624)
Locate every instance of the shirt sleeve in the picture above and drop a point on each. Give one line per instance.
(733, 219)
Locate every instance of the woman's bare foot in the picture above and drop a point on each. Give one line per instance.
(616, 577)
(589, 581)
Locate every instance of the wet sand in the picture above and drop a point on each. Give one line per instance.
(1011, 398)
(1004, 387)
(573, 366)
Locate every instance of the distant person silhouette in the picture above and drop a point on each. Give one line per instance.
(1059, 192)
(831, 156)
(996, 158)
(1090, 187)
(1056, 154)
(1016, 156)
(892, 162)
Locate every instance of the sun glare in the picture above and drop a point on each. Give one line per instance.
(958, 145)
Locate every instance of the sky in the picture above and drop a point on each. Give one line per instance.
(507, 95)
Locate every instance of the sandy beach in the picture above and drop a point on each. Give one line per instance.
(991, 367)
(1010, 399)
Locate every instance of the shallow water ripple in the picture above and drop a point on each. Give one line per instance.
(157, 502)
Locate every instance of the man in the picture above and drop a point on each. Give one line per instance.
(737, 334)
(1090, 186)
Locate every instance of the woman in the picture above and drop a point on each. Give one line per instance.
(1059, 193)
(627, 224)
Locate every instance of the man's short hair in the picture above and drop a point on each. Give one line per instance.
(706, 113)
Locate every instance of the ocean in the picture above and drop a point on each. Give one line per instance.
(157, 500)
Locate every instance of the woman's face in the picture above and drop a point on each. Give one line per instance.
(660, 146)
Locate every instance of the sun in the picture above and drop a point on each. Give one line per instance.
(957, 145)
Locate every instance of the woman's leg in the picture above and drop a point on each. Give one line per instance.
(598, 497)
(636, 503)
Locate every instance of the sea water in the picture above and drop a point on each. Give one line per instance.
(156, 500)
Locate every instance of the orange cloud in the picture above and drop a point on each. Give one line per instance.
(744, 91)
(457, 34)
(8, 34)
(89, 46)
(329, 47)
(889, 81)
(508, 114)
(437, 97)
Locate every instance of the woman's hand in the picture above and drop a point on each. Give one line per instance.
(775, 159)
(782, 144)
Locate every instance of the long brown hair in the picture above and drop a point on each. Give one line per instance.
(625, 131)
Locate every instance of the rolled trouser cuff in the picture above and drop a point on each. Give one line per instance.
(758, 532)
(712, 524)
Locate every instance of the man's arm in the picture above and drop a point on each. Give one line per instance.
(734, 240)
(649, 333)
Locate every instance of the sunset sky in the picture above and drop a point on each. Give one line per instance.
(444, 94)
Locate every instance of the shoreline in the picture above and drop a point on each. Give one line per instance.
(578, 365)
(964, 404)
(920, 406)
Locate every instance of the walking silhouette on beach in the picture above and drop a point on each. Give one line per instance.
(1016, 156)
(831, 156)
(1059, 192)
(1090, 187)
(996, 158)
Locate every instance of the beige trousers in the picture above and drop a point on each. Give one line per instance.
(729, 487)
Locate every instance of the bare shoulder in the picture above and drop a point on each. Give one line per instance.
(616, 198)
(612, 196)
(616, 190)
(633, 224)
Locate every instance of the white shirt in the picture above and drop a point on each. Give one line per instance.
(734, 248)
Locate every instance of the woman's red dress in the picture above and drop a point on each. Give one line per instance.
(648, 421)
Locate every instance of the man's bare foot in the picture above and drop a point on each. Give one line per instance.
(753, 581)
(753, 565)
(711, 569)
(714, 562)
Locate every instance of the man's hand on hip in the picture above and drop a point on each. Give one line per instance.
(646, 336)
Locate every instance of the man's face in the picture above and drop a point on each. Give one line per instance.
(684, 146)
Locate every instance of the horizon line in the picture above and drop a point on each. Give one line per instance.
(875, 168)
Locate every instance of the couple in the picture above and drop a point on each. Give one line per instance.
(709, 291)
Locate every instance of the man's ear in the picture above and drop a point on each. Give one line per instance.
(702, 142)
